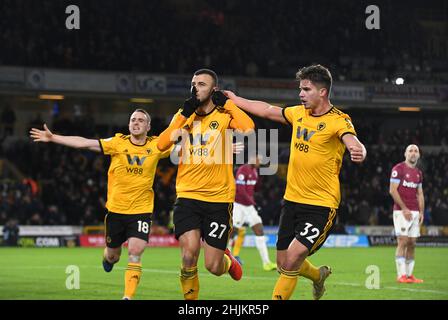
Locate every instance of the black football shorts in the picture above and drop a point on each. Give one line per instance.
(214, 219)
(310, 225)
(121, 227)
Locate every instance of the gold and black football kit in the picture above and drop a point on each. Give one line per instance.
(205, 184)
(312, 193)
(130, 197)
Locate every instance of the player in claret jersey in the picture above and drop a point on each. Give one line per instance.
(409, 204)
(244, 211)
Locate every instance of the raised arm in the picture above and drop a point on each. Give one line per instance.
(258, 108)
(70, 141)
(166, 138)
(240, 120)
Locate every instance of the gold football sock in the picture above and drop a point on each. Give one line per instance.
(227, 263)
(189, 282)
(285, 285)
(309, 271)
(239, 241)
(131, 279)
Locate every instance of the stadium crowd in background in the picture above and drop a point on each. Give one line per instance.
(408, 51)
(68, 195)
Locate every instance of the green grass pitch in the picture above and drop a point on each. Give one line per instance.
(40, 273)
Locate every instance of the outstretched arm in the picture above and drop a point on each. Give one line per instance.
(258, 108)
(70, 141)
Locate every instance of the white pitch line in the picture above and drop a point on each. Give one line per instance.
(416, 290)
(351, 284)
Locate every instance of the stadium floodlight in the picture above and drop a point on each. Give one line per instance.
(399, 81)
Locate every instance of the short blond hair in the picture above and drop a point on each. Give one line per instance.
(148, 117)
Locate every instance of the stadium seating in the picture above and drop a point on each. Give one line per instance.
(151, 42)
(72, 185)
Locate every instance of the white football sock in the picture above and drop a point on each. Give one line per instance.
(260, 242)
(401, 266)
(410, 267)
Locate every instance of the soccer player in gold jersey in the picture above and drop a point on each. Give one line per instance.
(205, 185)
(130, 197)
(320, 135)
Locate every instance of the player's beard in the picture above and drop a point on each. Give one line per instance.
(413, 161)
(205, 102)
